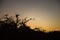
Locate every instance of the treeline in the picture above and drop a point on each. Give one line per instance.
(9, 30)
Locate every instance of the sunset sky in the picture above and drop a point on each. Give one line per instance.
(45, 12)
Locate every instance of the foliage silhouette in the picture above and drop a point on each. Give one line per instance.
(9, 30)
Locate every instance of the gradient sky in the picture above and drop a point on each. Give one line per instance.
(45, 12)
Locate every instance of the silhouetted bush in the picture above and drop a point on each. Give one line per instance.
(9, 31)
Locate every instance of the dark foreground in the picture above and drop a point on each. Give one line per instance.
(28, 34)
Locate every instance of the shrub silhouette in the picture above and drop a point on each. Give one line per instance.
(9, 30)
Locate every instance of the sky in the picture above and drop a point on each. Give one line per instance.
(45, 12)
